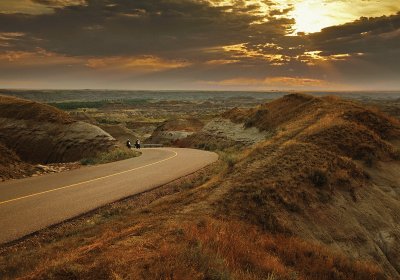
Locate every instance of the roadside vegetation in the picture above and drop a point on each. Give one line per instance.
(116, 154)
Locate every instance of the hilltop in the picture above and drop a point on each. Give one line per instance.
(307, 188)
(21, 109)
(34, 133)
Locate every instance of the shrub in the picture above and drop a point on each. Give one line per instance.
(319, 178)
(396, 154)
(87, 161)
(230, 159)
(369, 160)
(366, 153)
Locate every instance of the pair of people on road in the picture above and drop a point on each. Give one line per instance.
(137, 144)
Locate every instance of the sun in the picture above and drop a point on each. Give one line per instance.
(312, 16)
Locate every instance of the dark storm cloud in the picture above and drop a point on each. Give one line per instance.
(106, 28)
(366, 35)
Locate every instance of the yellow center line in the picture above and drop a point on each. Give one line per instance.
(89, 181)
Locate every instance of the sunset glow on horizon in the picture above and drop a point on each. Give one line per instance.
(210, 44)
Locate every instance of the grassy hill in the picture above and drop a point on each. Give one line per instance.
(317, 199)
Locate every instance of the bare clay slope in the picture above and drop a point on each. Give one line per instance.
(38, 133)
(317, 177)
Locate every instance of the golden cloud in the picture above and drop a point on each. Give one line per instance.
(316, 57)
(136, 64)
(300, 83)
(36, 7)
(38, 58)
(221, 61)
(240, 51)
(7, 37)
(140, 64)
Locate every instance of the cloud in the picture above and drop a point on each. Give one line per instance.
(142, 64)
(61, 3)
(275, 82)
(366, 35)
(35, 59)
(106, 28)
(187, 41)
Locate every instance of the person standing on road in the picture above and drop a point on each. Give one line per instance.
(128, 144)
(137, 144)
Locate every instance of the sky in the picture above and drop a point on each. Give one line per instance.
(261, 45)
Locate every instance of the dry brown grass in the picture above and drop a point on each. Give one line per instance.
(248, 253)
(192, 248)
(313, 163)
(276, 113)
(310, 159)
(11, 166)
(276, 178)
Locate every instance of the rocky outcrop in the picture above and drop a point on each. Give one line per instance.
(221, 133)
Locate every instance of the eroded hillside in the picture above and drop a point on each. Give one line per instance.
(36, 133)
(316, 178)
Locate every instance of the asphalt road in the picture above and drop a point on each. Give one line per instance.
(28, 205)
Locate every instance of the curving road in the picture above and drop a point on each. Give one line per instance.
(31, 204)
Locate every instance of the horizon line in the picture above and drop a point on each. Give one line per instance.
(200, 90)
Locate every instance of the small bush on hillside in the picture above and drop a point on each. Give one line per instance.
(396, 154)
(206, 146)
(369, 160)
(366, 153)
(255, 206)
(319, 178)
(231, 160)
(88, 161)
(114, 155)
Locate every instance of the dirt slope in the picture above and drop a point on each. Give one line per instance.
(37, 133)
(11, 166)
(316, 178)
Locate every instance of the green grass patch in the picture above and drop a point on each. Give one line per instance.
(73, 105)
(114, 155)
